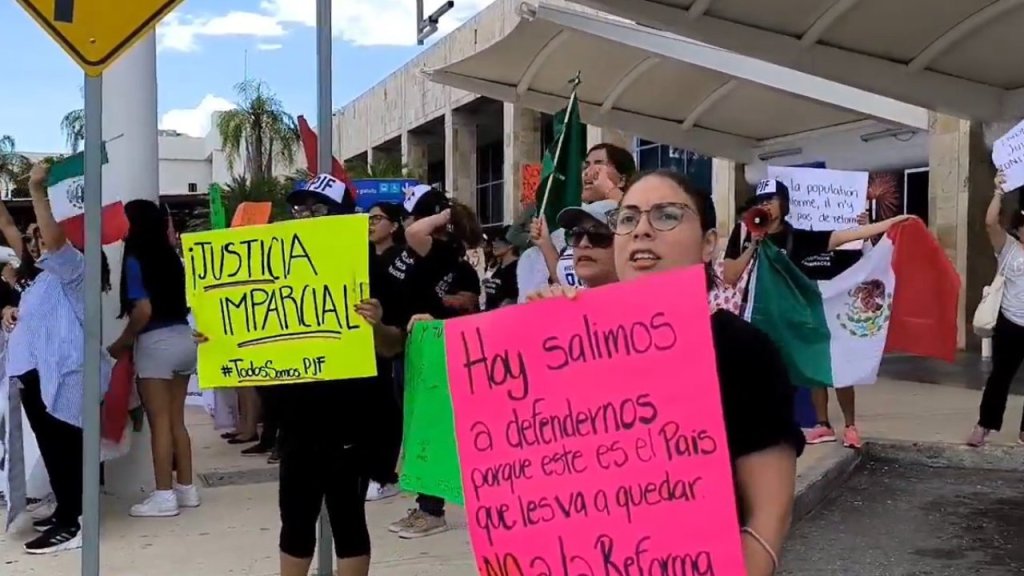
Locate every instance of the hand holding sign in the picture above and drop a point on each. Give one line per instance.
(571, 467)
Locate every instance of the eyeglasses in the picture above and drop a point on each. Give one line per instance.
(599, 236)
(307, 211)
(664, 217)
(378, 218)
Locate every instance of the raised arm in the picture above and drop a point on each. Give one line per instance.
(51, 232)
(840, 237)
(419, 234)
(996, 233)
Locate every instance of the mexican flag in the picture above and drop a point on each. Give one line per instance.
(561, 175)
(901, 297)
(67, 201)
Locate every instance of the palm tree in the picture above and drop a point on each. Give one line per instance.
(13, 166)
(261, 128)
(73, 126)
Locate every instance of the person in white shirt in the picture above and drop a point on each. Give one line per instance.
(1008, 335)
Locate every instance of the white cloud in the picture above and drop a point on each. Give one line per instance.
(372, 22)
(195, 121)
(359, 22)
(269, 47)
(179, 32)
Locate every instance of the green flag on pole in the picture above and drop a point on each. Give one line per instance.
(561, 183)
(218, 216)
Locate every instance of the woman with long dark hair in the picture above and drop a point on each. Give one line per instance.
(153, 301)
(664, 223)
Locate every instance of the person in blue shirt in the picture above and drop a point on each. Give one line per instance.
(159, 335)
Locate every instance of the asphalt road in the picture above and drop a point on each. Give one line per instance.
(895, 520)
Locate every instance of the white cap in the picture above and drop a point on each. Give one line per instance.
(7, 256)
(323, 185)
(413, 194)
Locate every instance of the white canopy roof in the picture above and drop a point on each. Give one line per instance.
(665, 88)
(961, 57)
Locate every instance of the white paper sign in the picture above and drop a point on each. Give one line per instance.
(1008, 156)
(821, 199)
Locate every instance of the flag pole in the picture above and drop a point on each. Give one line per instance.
(558, 147)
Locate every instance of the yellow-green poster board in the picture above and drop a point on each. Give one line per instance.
(277, 302)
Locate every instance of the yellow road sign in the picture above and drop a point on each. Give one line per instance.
(96, 32)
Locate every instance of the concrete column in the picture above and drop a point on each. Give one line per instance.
(130, 125)
(599, 135)
(460, 156)
(729, 190)
(522, 129)
(959, 190)
(132, 172)
(415, 155)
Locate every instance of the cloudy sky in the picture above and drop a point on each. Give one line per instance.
(204, 49)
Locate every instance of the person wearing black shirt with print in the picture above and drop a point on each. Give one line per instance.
(439, 283)
(814, 253)
(501, 286)
(664, 223)
(327, 444)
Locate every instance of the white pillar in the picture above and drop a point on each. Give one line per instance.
(130, 125)
(131, 172)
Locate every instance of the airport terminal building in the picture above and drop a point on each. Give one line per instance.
(719, 89)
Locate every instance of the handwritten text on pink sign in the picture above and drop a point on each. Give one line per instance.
(591, 438)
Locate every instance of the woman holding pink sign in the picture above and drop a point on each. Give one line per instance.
(664, 223)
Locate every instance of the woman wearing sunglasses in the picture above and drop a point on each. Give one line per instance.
(587, 233)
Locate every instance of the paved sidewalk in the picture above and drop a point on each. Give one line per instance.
(235, 531)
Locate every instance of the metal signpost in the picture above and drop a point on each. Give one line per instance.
(325, 156)
(94, 33)
(426, 27)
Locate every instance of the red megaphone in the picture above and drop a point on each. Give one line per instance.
(756, 220)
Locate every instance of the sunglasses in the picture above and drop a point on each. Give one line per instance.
(598, 236)
(664, 217)
(307, 211)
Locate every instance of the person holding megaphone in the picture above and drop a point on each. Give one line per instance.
(814, 253)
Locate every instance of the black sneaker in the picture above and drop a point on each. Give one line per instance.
(44, 524)
(257, 450)
(56, 539)
(275, 457)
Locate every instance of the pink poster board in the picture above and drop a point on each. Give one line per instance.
(590, 434)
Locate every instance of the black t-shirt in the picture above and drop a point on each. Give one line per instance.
(8, 295)
(503, 285)
(757, 396)
(808, 249)
(424, 281)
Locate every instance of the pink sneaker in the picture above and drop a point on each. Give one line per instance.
(851, 437)
(978, 436)
(820, 434)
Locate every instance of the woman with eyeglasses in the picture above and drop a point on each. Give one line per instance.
(665, 223)
(387, 240)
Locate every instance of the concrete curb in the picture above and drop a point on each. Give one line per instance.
(999, 457)
(818, 482)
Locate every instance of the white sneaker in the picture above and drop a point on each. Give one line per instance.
(188, 496)
(160, 504)
(379, 491)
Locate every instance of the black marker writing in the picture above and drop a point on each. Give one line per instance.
(499, 370)
(598, 343)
